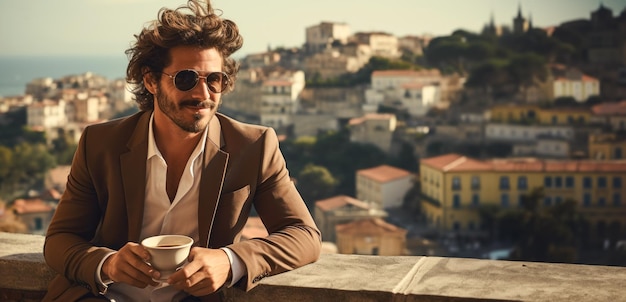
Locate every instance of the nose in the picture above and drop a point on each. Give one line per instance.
(201, 91)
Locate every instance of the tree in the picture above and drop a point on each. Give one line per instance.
(547, 233)
(315, 183)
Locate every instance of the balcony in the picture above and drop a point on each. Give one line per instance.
(349, 278)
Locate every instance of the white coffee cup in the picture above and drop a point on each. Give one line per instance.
(167, 252)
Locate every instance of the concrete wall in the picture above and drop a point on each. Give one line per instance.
(24, 277)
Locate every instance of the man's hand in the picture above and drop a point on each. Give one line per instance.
(129, 266)
(206, 272)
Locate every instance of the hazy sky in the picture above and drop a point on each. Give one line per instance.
(106, 27)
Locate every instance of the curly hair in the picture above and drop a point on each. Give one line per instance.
(201, 27)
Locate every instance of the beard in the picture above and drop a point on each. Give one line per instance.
(176, 112)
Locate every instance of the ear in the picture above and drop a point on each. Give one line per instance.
(149, 81)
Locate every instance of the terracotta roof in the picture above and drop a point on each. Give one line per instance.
(618, 108)
(384, 173)
(458, 163)
(25, 206)
(340, 201)
(455, 162)
(277, 83)
(254, 228)
(372, 226)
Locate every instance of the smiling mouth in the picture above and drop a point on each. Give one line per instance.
(197, 105)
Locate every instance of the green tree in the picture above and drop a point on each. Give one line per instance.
(547, 233)
(315, 183)
(30, 165)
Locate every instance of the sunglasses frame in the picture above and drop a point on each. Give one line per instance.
(225, 80)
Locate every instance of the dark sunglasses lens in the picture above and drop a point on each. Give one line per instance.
(216, 81)
(186, 80)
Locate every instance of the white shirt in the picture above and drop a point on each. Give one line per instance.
(160, 216)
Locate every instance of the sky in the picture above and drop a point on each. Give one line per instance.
(106, 27)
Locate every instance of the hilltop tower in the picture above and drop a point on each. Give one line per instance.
(520, 24)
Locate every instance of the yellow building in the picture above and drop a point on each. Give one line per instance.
(511, 113)
(454, 187)
(524, 113)
(606, 146)
(564, 116)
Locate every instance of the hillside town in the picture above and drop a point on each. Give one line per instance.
(509, 143)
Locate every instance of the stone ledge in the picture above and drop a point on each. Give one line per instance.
(367, 278)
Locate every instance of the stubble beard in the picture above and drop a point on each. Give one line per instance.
(174, 112)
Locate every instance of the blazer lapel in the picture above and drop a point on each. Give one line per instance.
(214, 169)
(133, 168)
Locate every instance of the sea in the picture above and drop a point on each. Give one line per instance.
(17, 71)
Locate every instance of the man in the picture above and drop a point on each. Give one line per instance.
(176, 167)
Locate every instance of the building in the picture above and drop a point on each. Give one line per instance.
(381, 44)
(454, 187)
(611, 114)
(607, 146)
(374, 128)
(322, 36)
(565, 81)
(342, 209)
(532, 114)
(371, 237)
(34, 213)
(280, 98)
(385, 186)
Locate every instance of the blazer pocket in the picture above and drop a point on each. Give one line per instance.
(235, 199)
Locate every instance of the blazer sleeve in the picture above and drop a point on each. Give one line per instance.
(67, 247)
(293, 240)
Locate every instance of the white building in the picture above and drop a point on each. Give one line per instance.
(418, 91)
(419, 98)
(46, 114)
(320, 37)
(382, 44)
(280, 98)
(383, 185)
(375, 129)
(524, 133)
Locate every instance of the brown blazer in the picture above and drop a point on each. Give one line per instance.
(102, 207)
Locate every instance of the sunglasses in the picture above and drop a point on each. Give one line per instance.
(187, 79)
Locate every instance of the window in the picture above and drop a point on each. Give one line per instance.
(457, 226)
(617, 200)
(520, 200)
(475, 200)
(617, 153)
(569, 181)
(475, 183)
(617, 182)
(601, 182)
(558, 182)
(38, 223)
(456, 183)
(504, 200)
(601, 201)
(522, 183)
(504, 183)
(557, 200)
(547, 201)
(456, 201)
(587, 182)
(547, 182)
(586, 200)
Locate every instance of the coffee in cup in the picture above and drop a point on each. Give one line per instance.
(167, 252)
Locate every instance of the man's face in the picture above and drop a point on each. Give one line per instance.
(190, 110)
